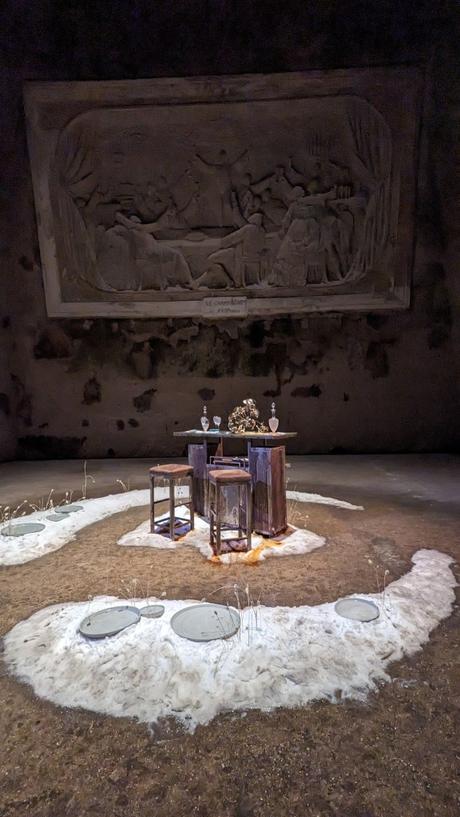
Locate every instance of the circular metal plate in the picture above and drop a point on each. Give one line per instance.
(22, 529)
(357, 609)
(108, 622)
(206, 622)
(68, 508)
(152, 611)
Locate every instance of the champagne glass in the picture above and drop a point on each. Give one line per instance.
(217, 421)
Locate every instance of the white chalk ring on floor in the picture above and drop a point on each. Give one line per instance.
(206, 622)
(109, 622)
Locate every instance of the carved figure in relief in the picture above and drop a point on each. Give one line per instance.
(171, 218)
(352, 209)
(294, 176)
(278, 183)
(301, 258)
(217, 185)
(245, 251)
(313, 239)
(129, 252)
(254, 197)
(324, 176)
(273, 210)
(244, 201)
(157, 197)
(115, 268)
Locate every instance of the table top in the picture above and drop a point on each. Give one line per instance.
(230, 435)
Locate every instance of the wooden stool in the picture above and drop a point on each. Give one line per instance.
(171, 473)
(219, 480)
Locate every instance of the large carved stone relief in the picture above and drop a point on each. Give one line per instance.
(225, 196)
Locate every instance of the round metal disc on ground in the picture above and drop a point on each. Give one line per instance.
(56, 517)
(108, 622)
(357, 609)
(152, 611)
(22, 529)
(206, 622)
(68, 508)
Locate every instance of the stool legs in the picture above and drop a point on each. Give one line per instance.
(172, 505)
(172, 512)
(249, 515)
(216, 502)
(240, 514)
(218, 519)
(214, 519)
(192, 504)
(152, 504)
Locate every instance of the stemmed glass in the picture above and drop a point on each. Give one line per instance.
(217, 421)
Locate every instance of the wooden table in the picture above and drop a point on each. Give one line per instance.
(265, 460)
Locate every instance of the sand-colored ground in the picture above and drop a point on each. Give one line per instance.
(395, 755)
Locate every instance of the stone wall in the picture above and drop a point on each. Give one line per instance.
(96, 388)
(7, 435)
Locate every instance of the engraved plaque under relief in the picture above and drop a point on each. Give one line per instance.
(225, 307)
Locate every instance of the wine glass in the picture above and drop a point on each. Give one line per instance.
(217, 421)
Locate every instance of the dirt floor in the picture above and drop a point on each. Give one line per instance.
(395, 756)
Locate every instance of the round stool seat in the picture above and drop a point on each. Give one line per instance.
(171, 470)
(229, 476)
